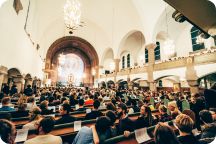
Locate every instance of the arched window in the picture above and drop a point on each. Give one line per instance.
(194, 34)
(160, 83)
(157, 51)
(146, 55)
(123, 62)
(128, 60)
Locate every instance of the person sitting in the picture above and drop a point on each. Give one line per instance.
(81, 107)
(65, 115)
(28, 91)
(173, 108)
(164, 134)
(89, 100)
(94, 113)
(209, 129)
(111, 106)
(44, 128)
(31, 103)
(13, 90)
(185, 125)
(125, 124)
(163, 114)
(44, 108)
(134, 107)
(96, 134)
(21, 111)
(7, 132)
(6, 105)
(112, 116)
(35, 117)
(145, 119)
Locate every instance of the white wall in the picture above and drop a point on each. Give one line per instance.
(16, 48)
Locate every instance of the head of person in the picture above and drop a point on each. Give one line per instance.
(112, 116)
(121, 109)
(7, 131)
(111, 106)
(44, 104)
(81, 102)
(206, 116)
(133, 102)
(164, 134)
(96, 104)
(29, 86)
(65, 109)
(172, 106)
(162, 109)
(35, 114)
(184, 123)
(46, 125)
(102, 124)
(145, 110)
(31, 99)
(5, 101)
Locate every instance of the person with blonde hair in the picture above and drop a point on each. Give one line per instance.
(185, 126)
(173, 108)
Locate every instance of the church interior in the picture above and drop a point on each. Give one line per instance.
(108, 71)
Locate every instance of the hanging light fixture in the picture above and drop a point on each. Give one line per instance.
(61, 59)
(72, 14)
(169, 46)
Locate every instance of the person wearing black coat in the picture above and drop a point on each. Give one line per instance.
(28, 91)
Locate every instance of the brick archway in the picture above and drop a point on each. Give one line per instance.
(77, 46)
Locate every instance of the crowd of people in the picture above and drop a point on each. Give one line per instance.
(154, 108)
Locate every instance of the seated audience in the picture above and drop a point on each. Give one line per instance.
(89, 100)
(209, 128)
(185, 126)
(134, 107)
(96, 134)
(35, 117)
(65, 115)
(163, 114)
(173, 108)
(111, 106)
(6, 105)
(145, 119)
(44, 108)
(7, 132)
(125, 124)
(81, 107)
(31, 103)
(112, 116)
(44, 128)
(164, 134)
(28, 91)
(94, 113)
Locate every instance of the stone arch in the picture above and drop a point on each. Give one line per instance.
(107, 58)
(132, 42)
(15, 78)
(75, 45)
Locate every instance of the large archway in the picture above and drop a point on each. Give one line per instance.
(78, 47)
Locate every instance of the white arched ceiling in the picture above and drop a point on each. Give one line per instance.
(107, 58)
(132, 43)
(105, 22)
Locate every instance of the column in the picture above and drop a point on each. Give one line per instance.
(3, 73)
(18, 81)
(191, 75)
(117, 61)
(150, 68)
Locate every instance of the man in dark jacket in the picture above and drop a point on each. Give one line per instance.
(94, 113)
(65, 116)
(28, 91)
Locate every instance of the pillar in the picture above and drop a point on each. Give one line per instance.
(150, 68)
(117, 61)
(191, 75)
(3, 73)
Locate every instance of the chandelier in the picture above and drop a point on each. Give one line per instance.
(61, 59)
(72, 14)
